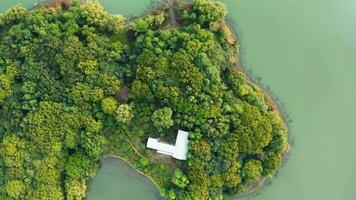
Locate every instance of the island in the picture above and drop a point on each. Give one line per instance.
(78, 85)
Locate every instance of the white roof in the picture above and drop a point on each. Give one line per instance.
(178, 151)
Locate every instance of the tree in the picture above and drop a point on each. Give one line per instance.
(14, 15)
(144, 162)
(144, 24)
(12, 147)
(109, 105)
(45, 192)
(79, 166)
(15, 189)
(179, 179)
(229, 148)
(162, 118)
(252, 170)
(171, 194)
(75, 189)
(93, 144)
(279, 133)
(270, 163)
(94, 14)
(231, 179)
(141, 25)
(88, 67)
(124, 114)
(49, 171)
(202, 149)
(209, 11)
(169, 96)
(6, 81)
(199, 187)
(145, 74)
(254, 132)
(140, 91)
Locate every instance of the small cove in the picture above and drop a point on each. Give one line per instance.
(116, 175)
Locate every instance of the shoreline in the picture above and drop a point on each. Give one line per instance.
(275, 107)
(270, 100)
(106, 157)
(127, 167)
(121, 162)
(264, 181)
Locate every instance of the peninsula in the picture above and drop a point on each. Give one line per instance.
(78, 84)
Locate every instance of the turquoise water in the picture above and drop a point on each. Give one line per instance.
(127, 8)
(6, 4)
(305, 52)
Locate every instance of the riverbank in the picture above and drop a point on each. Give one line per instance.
(130, 165)
(116, 179)
(129, 168)
(256, 186)
(250, 187)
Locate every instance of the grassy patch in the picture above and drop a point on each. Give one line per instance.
(120, 145)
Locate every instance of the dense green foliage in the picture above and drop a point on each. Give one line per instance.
(62, 73)
(57, 71)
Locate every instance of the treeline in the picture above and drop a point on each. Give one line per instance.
(76, 82)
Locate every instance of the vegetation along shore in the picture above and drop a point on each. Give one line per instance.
(78, 84)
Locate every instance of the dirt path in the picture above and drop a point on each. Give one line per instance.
(172, 14)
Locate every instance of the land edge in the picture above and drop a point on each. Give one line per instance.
(258, 185)
(254, 186)
(134, 169)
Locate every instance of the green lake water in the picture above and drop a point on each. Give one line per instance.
(6, 4)
(116, 180)
(305, 52)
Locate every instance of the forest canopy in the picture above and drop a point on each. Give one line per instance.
(77, 84)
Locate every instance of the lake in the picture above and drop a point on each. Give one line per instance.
(305, 52)
(6, 4)
(116, 180)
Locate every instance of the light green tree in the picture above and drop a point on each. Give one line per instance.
(162, 118)
(179, 179)
(109, 105)
(252, 170)
(15, 189)
(123, 113)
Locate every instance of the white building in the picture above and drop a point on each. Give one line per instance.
(178, 151)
